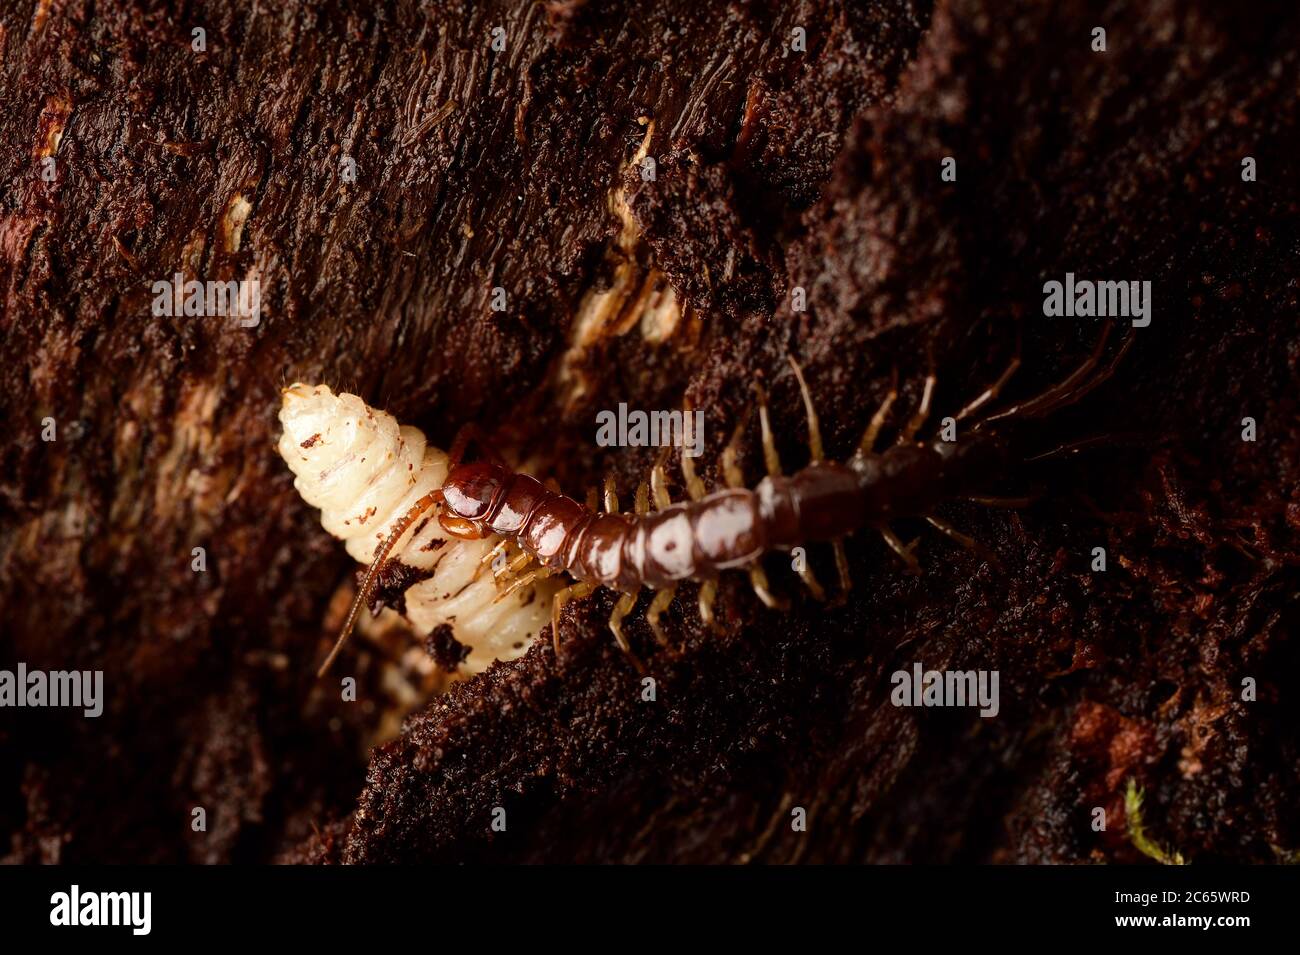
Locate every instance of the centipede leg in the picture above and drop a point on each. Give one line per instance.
(992, 391)
(868, 442)
(731, 472)
(708, 593)
(814, 426)
(758, 580)
(770, 456)
(902, 550)
(520, 561)
(965, 540)
(694, 486)
(659, 486)
(661, 602)
(491, 555)
(908, 433)
(523, 581)
(757, 576)
(621, 610)
(842, 566)
(816, 454)
(642, 498)
(572, 592)
(810, 581)
(489, 558)
(611, 495)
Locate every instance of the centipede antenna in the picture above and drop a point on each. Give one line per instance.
(372, 574)
(814, 426)
(458, 446)
(1106, 371)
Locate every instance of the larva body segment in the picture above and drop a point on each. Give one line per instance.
(364, 471)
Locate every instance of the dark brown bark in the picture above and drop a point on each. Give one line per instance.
(479, 169)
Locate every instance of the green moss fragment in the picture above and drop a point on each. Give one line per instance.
(1137, 832)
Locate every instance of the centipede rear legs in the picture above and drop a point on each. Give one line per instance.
(909, 433)
(1075, 386)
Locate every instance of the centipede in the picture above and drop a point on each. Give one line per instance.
(662, 544)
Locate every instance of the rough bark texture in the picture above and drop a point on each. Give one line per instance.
(775, 169)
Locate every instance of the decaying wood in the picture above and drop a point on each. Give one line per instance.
(478, 169)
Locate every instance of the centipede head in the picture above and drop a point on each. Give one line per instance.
(470, 490)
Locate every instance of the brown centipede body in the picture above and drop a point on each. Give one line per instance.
(732, 528)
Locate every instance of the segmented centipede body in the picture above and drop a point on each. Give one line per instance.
(725, 530)
(734, 527)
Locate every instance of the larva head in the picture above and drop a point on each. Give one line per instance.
(471, 489)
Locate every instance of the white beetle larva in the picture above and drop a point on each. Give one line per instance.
(364, 471)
